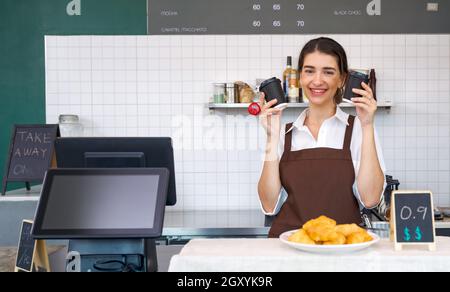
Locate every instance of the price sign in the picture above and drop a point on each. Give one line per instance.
(413, 218)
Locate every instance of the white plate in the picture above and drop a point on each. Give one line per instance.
(343, 248)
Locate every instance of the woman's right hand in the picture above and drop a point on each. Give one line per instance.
(270, 118)
(269, 184)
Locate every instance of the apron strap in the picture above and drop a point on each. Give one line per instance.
(348, 132)
(288, 138)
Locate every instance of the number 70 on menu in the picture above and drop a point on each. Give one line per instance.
(277, 22)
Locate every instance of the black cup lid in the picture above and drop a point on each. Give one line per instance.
(359, 74)
(268, 81)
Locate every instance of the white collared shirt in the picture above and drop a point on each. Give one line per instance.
(331, 135)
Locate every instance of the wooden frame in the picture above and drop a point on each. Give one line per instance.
(41, 261)
(393, 233)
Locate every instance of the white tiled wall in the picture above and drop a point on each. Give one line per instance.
(159, 85)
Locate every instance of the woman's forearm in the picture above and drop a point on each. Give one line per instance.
(370, 178)
(269, 185)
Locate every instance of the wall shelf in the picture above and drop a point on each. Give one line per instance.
(218, 106)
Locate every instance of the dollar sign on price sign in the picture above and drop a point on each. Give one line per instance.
(407, 235)
(418, 234)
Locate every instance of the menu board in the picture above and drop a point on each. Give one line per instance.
(167, 17)
(31, 153)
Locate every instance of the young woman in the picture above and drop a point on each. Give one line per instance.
(327, 162)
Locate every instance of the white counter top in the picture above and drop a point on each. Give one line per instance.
(261, 255)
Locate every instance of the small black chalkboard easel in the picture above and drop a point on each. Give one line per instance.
(412, 219)
(32, 254)
(31, 154)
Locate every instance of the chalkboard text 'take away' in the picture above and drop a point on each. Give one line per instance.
(32, 140)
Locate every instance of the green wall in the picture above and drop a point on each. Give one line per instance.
(23, 25)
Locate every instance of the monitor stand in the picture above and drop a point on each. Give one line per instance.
(103, 255)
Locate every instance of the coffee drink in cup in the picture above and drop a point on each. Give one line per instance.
(272, 90)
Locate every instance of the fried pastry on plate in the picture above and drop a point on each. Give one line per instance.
(320, 221)
(301, 237)
(348, 229)
(341, 239)
(321, 229)
(322, 233)
(358, 237)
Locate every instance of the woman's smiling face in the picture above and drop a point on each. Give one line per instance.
(320, 77)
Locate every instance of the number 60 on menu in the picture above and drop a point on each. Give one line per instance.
(412, 219)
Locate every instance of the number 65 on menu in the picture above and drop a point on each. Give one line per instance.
(412, 219)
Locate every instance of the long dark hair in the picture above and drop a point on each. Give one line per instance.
(330, 47)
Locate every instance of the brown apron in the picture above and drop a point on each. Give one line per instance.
(318, 182)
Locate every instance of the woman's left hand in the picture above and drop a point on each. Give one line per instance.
(366, 105)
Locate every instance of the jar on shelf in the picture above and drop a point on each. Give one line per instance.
(70, 126)
(220, 91)
(230, 97)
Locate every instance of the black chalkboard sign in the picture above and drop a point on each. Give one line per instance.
(26, 249)
(413, 217)
(30, 154)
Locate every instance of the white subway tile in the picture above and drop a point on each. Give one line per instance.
(97, 76)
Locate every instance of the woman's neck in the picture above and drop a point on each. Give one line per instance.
(317, 114)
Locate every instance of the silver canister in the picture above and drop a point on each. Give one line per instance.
(381, 228)
(230, 93)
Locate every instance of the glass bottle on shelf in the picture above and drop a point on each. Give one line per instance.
(290, 83)
(293, 90)
(286, 76)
